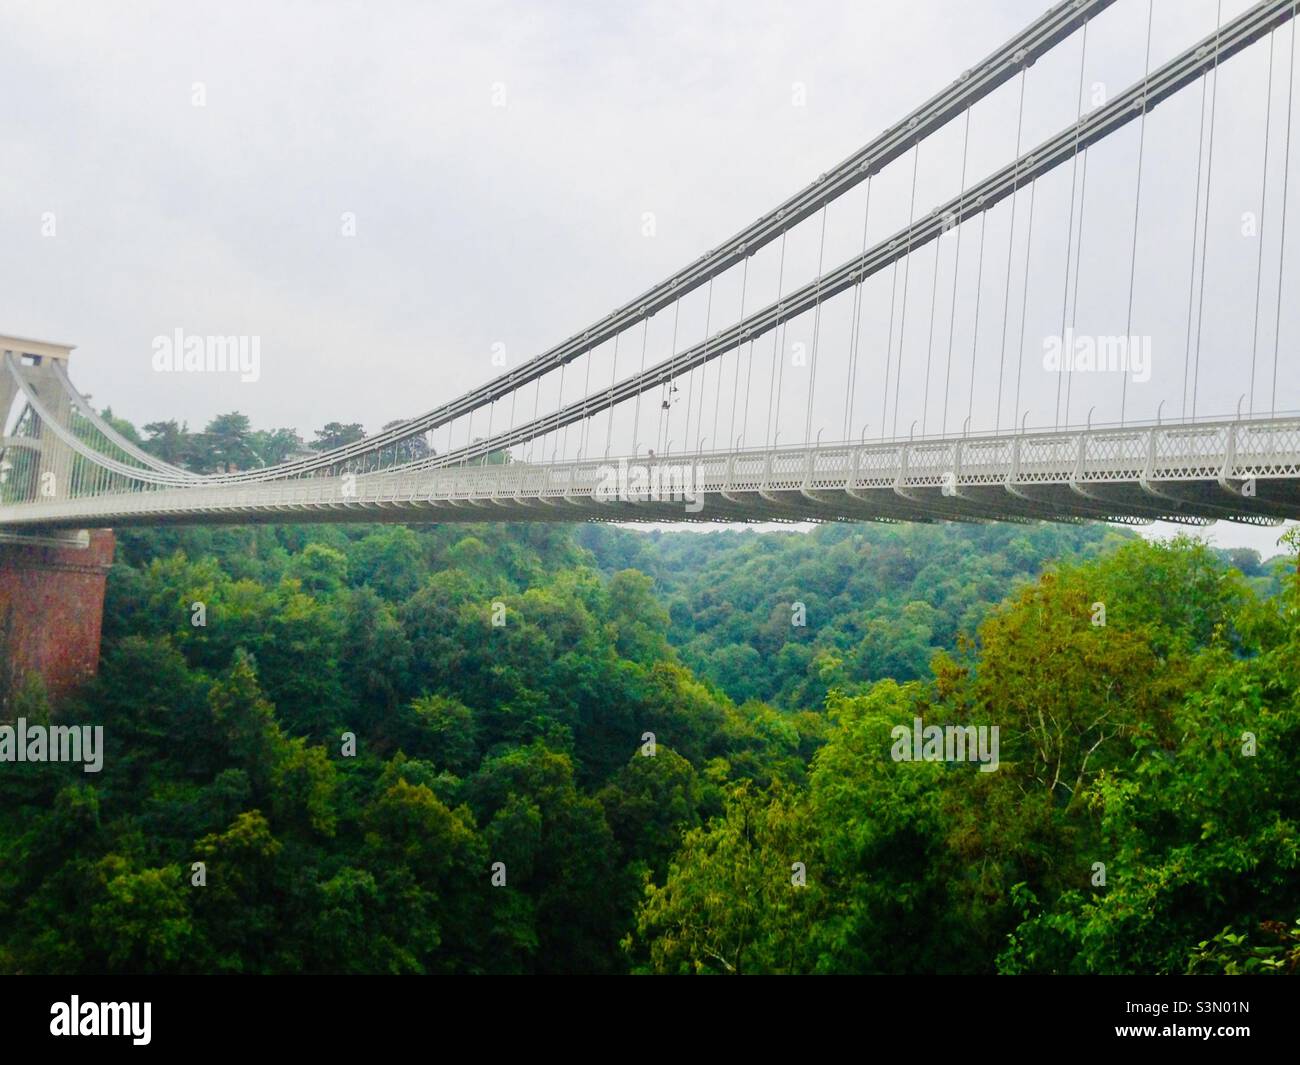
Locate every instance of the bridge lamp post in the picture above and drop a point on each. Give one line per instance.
(965, 426)
(863, 438)
(1090, 410)
(1023, 420)
(1159, 411)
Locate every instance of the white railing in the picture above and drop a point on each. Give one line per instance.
(1221, 451)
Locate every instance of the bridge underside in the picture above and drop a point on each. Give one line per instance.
(1192, 503)
(1242, 471)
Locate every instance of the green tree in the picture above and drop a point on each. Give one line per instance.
(337, 434)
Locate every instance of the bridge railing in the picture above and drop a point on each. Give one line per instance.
(1263, 449)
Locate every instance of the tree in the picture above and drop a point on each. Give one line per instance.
(270, 447)
(375, 660)
(143, 923)
(389, 560)
(640, 623)
(1201, 831)
(171, 442)
(238, 909)
(246, 723)
(337, 434)
(730, 904)
(569, 867)
(226, 444)
(320, 570)
(410, 449)
(442, 730)
(429, 868)
(649, 804)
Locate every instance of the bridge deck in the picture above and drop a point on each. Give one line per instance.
(1232, 470)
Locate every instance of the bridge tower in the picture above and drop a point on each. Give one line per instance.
(51, 583)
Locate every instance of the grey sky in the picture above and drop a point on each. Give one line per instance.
(481, 225)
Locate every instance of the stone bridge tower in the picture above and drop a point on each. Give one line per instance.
(52, 584)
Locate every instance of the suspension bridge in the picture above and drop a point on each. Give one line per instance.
(926, 332)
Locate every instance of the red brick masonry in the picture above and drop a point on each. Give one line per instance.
(51, 611)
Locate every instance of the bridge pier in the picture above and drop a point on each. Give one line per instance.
(51, 610)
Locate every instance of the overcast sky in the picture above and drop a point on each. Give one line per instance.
(388, 193)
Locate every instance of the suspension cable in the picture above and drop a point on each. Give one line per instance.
(1196, 225)
(1137, 204)
(1011, 243)
(817, 322)
(772, 389)
(1286, 178)
(907, 277)
(613, 378)
(749, 380)
(956, 273)
(636, 420)
(1205, 239)
(889, 349)
(1069, 244)
(855, 345)
(690, 389)
(975, 332)
(1263, 210)
(1078, 272)
(780, 377)
(666, 404)
(1024, 301)
(731, 429)
(929, 344)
